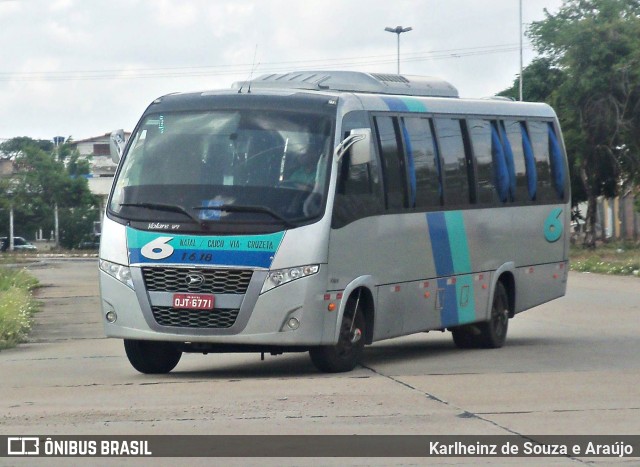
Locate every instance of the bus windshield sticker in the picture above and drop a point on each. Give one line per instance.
(245, 250)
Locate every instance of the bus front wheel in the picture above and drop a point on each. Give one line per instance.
(345, 355)
(151, 357)
(489, 334)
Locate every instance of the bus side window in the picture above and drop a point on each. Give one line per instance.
(393, 169)
(514, 133)
(530, 163)
(540, 144)
(453, 162)
(480, 134)
(421, 155)
(500, 167)
(557, 162)
(508, 157)
(358, 191)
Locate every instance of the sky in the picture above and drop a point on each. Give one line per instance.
(83, 68)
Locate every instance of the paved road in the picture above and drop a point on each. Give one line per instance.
(569, 367)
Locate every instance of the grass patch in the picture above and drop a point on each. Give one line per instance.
(17, 306)
(621, 259)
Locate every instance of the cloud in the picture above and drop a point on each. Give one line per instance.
(107, 59)
(173, 15)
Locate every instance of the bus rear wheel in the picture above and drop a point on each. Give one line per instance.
(489, 334)
(151, 357)
(345, 355)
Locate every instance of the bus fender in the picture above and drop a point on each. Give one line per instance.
(509, 268)
(363, 281)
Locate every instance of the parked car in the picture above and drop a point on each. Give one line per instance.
(89, 245)
(19, 244)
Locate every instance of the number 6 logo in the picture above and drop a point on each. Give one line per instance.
(158, 248)
(553, 226)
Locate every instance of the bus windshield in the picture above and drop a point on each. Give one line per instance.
(260, 168)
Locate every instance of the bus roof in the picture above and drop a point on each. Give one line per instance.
(354, 81)
(369, 91)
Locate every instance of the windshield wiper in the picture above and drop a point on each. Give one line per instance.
(168, 208)
(241, 208)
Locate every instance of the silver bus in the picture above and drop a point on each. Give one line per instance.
(324, 211)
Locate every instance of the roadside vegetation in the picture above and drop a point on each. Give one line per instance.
(17, 305)
(619, 258)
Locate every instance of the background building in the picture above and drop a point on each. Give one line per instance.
(103, 169)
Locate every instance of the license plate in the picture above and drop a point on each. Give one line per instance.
(193, 301)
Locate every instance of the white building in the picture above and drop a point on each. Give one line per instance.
(103, 169)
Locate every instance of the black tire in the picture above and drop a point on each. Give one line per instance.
(464, 337)
(346, 354)
(493, 333)
(151, 357)
(490, 334)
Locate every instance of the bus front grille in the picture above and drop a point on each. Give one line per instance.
(197, 280)
(184, 318)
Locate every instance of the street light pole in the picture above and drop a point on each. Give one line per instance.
(11, 241)
(521, 68)
(398, 30)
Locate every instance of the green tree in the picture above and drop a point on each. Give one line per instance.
(540, 81)
(14, 146)
(596, 45)
(42, 180)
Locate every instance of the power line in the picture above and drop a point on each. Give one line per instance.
(270, 63)
(221, 70)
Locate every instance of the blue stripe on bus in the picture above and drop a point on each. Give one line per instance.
(260, 259)
(440, 246)
(395, 104)
(450, 251)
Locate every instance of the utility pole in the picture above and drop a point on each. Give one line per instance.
(521, 67)
(56, 224)
(57, 140)
(398, 30)
(11, 227)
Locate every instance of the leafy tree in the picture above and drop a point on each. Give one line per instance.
(596, 45)
(541, 79)
(41, 181)
(14, 146)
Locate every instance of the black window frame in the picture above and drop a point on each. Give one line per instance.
(401, 146)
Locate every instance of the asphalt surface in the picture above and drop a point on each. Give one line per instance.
(570, 367)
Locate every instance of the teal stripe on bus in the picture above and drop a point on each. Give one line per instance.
(404, 104)
(414, 105)
(458, 242)
(450, 251)
(465, 294)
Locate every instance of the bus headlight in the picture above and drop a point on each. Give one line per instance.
(282, 276)
(117, 271)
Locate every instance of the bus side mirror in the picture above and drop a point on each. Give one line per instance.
(116, 145)
(362, 148)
